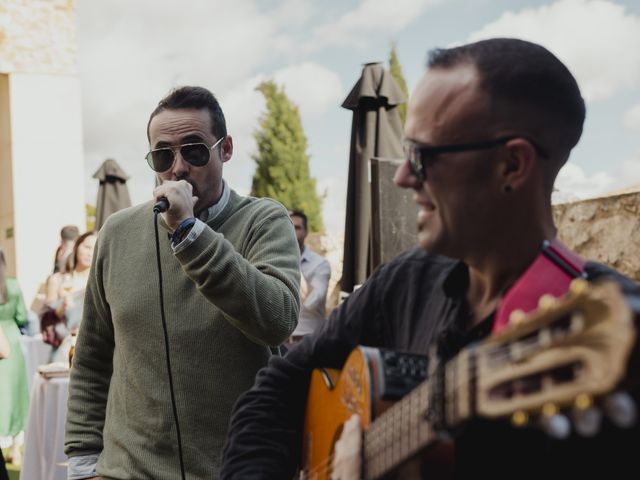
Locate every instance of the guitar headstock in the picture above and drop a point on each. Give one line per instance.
(561, 364)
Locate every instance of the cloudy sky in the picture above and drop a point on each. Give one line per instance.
(132, 53)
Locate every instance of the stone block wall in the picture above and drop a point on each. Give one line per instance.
(605, 229)
(38, 36)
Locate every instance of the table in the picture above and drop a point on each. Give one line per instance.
(36, 353)
(44, 457)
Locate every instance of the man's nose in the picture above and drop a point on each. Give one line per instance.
(405, 178)
(180, 166)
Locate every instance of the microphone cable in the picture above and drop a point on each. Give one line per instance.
(166, 346)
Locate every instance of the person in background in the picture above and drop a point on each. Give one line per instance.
(68, 236)
(65, 291)
(14, 393)
(314, 282)
(231, 276)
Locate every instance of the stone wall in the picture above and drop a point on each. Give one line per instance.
(38, 36)
(605, 229)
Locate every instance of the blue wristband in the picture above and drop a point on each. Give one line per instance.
(181, 231)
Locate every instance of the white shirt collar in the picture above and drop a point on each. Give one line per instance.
(214, 210)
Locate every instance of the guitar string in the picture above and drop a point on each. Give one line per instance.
(322, 468)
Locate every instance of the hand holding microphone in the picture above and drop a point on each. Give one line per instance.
(161, 205)
(175, 200)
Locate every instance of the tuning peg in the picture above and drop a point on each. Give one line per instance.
(586, 418)
(621, 409)
(555, 424)
(517, 317)
(546, 302)
(549, 409)
(520, 418)
(578, 286)
(583, 401)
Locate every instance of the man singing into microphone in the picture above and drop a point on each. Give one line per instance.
(230, 266)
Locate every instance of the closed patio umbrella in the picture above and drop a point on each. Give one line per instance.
(113, 194)
(376, 131)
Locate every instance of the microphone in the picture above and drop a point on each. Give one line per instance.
(161, 205)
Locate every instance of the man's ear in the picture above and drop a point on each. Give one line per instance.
(226, 149)
(518, 164)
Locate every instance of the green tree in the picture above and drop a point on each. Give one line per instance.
(396, 73)
(282, 162)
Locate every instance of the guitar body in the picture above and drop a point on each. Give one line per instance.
(370, 381)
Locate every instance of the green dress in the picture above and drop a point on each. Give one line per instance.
(14, 393)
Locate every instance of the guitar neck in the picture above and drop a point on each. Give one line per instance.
(398, 434)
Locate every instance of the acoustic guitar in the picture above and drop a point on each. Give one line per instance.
(558, 367)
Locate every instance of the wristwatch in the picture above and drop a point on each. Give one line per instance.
(182, 231)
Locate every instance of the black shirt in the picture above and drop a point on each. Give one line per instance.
(409, 304)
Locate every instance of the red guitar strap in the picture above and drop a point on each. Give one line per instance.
(550, 273)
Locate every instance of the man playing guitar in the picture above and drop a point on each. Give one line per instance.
(489, 126)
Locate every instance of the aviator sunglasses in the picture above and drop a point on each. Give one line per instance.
(196, 154)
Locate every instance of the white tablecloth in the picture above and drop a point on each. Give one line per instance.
(44, 457)
(36, 353)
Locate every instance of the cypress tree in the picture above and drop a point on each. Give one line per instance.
(396, 73)
(282, 162)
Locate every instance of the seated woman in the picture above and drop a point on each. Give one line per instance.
(65, 292)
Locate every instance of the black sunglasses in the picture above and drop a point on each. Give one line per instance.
(419, 156)
(197, 154)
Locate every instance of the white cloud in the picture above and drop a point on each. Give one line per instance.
(630, 173)
(573, 183)
(294, 12)
(627, 177)
(132, 53)
(595, 38)
(302, 79)
(631, 119)
(370, 16)
(334, 205)
(243, 106)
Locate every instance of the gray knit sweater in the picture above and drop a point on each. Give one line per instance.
(228, 296)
